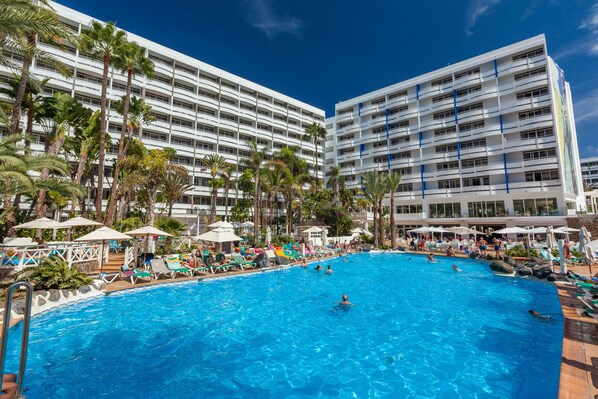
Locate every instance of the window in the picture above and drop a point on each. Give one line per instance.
(443, 97)
(346, 151)
(227, 100)
(450, 183)
(471, 90)
(444, 114)
(476, 181)
(204, 128)
(400, 140)
(447, 165)
(180, 141)
(185, 87)
(409, 208)
(539, 154)
(160, 60)
(532, 93)
(159, 117)
(475, 162)
(349, 164)
(398, 125)
(393, 157)
(345, 111)
(378, 101)
(155, 96)
(264, 127)
(378, 115)
(473, 144)
(470, 108)
(545, 175)
(379, 144)
(442, 81)
(227, 150)
(530, 54)
(263, 112)
(184, 68)
(182, 104)
(471, 72)
(445, 131)
(397, 95)
(183, 123)
(224, 83)
(446, 148)
(536, 134)
(208, 94)
(403, 171)
(482, 209)
(162, 79)
(405, 187)
(379, 130)
(445, 210)
(208, 77)
(347, 137)
(121, 87)
(226, 133)
(394, 111)
(466, 127)
(204, 146)
(228, 117)
(536, 207)
(249, 108)
(529, 74)
(345, 124)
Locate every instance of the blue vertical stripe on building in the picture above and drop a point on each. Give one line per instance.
(458, 150)
(495, 69)
(504, 160)
(359, 107)
(421, 137)
(455, 106)
(417, 92)
(388, 160)
(361, 148)
(422, 169)
(500, 121)
(387, 129)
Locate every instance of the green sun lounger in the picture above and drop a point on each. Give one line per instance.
(175, 266)
(239, 260)
(135, 274)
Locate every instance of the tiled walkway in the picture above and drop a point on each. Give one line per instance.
(579, 364)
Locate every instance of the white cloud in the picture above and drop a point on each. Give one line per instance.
(588, 43)
(475, 10)
(586, 108)
(261, 15)
(591, 22)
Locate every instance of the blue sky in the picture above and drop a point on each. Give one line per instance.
(326, 51)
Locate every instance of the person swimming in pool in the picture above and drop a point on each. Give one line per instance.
(329, 270)
(539, 316)
(431, 258)
(455, 268)
(318, 267)
(342, 257)
(304, 263)
(345, 301)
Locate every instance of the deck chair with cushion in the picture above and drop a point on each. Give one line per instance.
(158, 267)
(195, 266)
(215, 266)
(239, 260)
(109, 277)
(175, 266)
(135, 274)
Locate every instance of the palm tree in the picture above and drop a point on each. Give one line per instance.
(227, 179)
(102, 41)
(25, 41)
(215, 163)
(174, 185)
(336, 182)
(140, 114)
(392, 185)
(374, 191)
(255, 163)
(132, 61)
(315, 132)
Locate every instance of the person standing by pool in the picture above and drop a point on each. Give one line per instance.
(329, 270)
(482, 244)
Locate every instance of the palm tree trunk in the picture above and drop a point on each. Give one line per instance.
(102, 140)
(170, 209)
(381, 222)
(393, 240)
(121, 153)
(213, 205)
(316, 162)
(375, 209)
(256, 213)
(9, 224)
(16, 111)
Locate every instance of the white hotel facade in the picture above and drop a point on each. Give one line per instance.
(200, 109)
(487, 142)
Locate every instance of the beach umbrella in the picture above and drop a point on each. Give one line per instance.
(512, 230)
(313, 229)
(359, 230)
(237, 225)
(76, 222)
(41, 223)
(219, 235)
(586, 252)
(268, 235)
(565, 230)
(550, 239)
(146, 232)
(104, 234)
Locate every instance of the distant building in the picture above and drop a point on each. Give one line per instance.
(486, 142)
(589, 171)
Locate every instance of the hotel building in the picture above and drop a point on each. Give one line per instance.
(589, 171)
(487, 142)
(200, 109)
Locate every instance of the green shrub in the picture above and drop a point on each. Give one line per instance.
(575, 253)
(54, 273)
(519, 251)
(383, 247)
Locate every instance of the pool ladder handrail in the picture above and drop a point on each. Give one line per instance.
(24, 336)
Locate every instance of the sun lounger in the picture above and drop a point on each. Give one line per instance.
(214, 266)
(175, 266)
(109, 277)
(135, 274)
(239, 260)
(159, 268)
(194, 266)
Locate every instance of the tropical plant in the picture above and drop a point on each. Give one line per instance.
(102, 41)
(374, 190)
(54, 273)
(392, 185)
(315, 132)
(132, 61)
(170, 225)
(227, 179)
(215, 163)
(254, 163)
(174, 185)
(336, 182)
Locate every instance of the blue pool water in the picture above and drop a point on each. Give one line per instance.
(417, 330)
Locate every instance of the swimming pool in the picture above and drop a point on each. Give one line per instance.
(417, 330)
